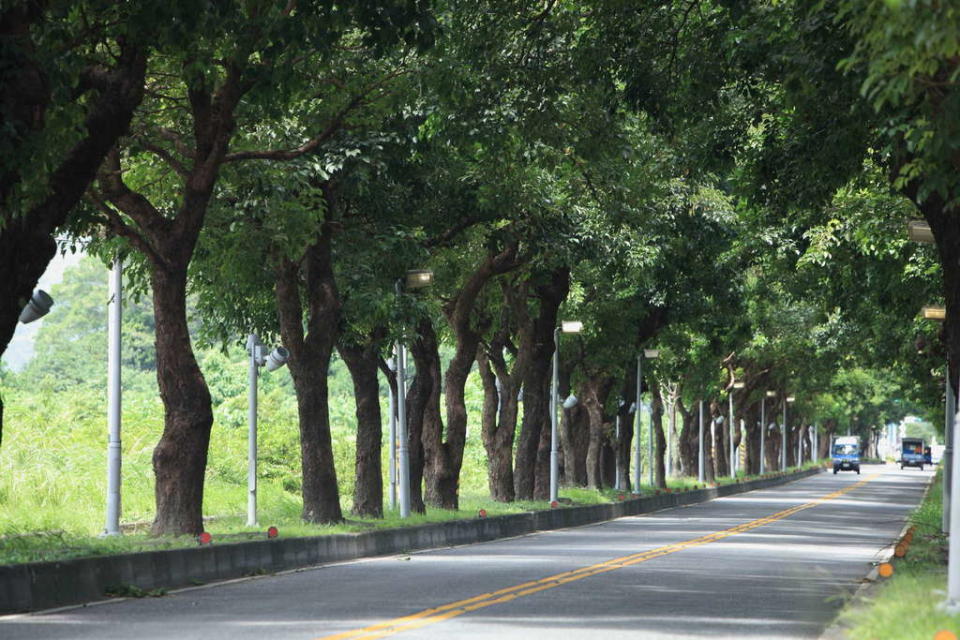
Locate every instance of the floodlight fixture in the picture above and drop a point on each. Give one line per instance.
(919, 231)
(933, 312)
(790, 398)
(571, 326)
(651, 354)
(277, 358)
(739, 385)
(37, 307)
(771, 394)
(419, 278)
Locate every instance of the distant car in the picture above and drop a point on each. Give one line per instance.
(846, 454)
(911, 453)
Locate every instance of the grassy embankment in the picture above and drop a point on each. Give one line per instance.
(53, 461)
(906, 605)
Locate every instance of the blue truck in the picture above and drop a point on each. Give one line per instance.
(846, 454)
(912, 453)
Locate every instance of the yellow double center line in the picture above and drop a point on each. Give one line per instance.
(460, 607)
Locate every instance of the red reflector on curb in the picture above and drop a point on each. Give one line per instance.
(482, 513)
(272, 532)
(204, 538)
(554, 504)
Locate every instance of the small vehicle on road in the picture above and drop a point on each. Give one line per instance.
(911, 453)
(846, 454)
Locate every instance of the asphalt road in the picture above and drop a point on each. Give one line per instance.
(776, 563)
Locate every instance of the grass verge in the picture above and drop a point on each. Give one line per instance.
(17, 547)
(906, 606)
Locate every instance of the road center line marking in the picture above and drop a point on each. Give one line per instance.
(460, 607)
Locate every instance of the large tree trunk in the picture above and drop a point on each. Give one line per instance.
(536, 391)
(575, 442)
(363, 362)
(27, 239)
(180, 457)
(309, 362)
(423, 406)
(592, 391)
(752, 440)
(498, 423)
(660, 442)
(444, 457)
(945, 224)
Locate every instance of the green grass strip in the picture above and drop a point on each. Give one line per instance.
(906, 606)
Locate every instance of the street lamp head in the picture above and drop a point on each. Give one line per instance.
(571, 326)
(790, 398)
(932, 312)
(37, 307)
(633, 408)
(919, 231)
(570, 402)
(651, 354)
(771, 394)
(419, 278)
(739, 385)
(277, 358)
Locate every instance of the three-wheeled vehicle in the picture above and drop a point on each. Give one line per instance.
(911, 453)
(846, 454)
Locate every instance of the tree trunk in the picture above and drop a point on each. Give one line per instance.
(575, 441)
(309, 362)
(622, 447)
(536, 391)
(180, 457)
(660, 442)
(444, 457)
(752, 444)
(27, 241)
(721, 447)
(498, 423)
(363, 362)
(423, 406)
(594, 408)
(944, 224)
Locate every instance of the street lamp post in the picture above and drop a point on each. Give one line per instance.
(763, 429)
(273, 361)
(415, 279)
(392, 435)
(952, 604)
(114, 390)
(783, 435)
(700, 457)
(566, 326)
(671, 427)
(733, 467)
(650, 354)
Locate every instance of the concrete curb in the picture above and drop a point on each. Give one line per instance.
(46, 585)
